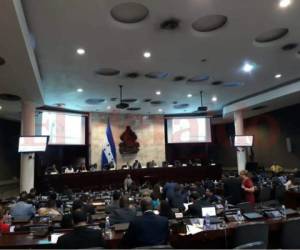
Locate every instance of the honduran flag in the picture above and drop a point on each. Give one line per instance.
(109, 149)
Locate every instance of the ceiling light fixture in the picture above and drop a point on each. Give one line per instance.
(80, 51)
(277, 76)
(284, 3)
(0, 107)
(189, 95)
(108, 107)
(248, 67)
(147, 54)
(79, 90)
(160, 110)
(158, 92)
(214, 99)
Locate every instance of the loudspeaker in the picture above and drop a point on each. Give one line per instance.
(288, 144)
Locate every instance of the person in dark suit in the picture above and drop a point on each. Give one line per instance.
(115, 202)
(136, 165)
(82, 236)
(195, 209)
(124, 214)
(148, 229)
(232, 190)
(177, 200)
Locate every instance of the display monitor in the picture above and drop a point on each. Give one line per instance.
(62, 128)
(243, 141)
(188, 130)
(31, 144)
(210, 211)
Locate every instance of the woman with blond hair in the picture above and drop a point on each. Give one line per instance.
(248, 187)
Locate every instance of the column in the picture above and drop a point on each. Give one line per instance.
(27, 159)
(239, 130)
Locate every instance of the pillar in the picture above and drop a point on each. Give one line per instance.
(27, 159)
(239, 130)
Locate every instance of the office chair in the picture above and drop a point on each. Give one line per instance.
(251, 233)
(251, 245)
(264, 194)
(279, 193)
(290, 234)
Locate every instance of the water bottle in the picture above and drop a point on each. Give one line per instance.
(207, 220)
(239, 216)
(283, 211)
(107, 227)
(226, 205)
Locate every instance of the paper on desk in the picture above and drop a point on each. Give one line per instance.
(192, 229)
(54, 237)
(186, 205)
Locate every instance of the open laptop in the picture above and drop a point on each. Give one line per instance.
(212, 213)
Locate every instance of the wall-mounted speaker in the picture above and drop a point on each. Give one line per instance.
(289, 144)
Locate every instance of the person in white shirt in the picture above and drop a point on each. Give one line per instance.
(69, 170)
(127, 183)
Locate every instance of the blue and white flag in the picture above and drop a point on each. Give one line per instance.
(109, 149)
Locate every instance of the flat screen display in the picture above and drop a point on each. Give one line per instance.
(243, 141)
(210, 211)
(30, 144)
(188, 130)
(62, 128)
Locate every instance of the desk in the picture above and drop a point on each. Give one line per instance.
(115, 178)
(214, 237)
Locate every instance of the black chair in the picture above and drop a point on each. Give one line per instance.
(265, 194)
(251, 233)
(246, 207)
(252, 245)
(279, 193)
(290, 234)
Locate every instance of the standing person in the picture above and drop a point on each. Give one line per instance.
(248, 187)
(127, 183)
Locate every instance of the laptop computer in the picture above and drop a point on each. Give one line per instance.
(212, 213)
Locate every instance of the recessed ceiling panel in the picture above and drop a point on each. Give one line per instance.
(107, 72)
(271, 35)
(2, 61)
(129, 12)
(94, 101)
(209, 23)
(9, 97)
(157, 75)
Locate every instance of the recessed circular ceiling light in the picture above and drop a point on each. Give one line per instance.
(278, 76)
(0, 107)
(214, 99)
(248, 67)
(189, 95)
(147, 54)
(80, 51)
(284, 3)
(158, 92)
(79, 90)
(108, 107)
(160, 110)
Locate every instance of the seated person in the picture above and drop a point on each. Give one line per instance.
(51, 170)
(22, 210)
(69, 170)
(82, 168)
(195, 209)
(88, 207)
(115, 202)
(165, 210)
(32, 194)
(210, 196)
(82, 236)
(93, 167)
(4, 227)
(124, 214)
(290, 182)
(67, 220)
(155, 200)
(148, 229)
(50, 210)
(136, 164)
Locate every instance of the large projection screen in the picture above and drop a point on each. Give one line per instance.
(188, 130)
(62, 128)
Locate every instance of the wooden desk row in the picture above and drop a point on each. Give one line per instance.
(217, 236)
(102, 179)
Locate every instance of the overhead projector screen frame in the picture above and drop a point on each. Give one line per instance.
(33, 151)
(207, 118)
(85, 130)
(234, 143)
